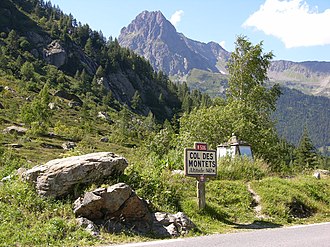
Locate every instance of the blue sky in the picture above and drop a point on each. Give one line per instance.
(295, 30)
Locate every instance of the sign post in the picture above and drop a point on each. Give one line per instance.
(200, 163)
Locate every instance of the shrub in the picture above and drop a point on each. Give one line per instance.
(241, 168)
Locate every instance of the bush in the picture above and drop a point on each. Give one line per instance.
(241, 168)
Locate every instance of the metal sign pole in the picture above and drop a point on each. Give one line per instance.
(201, 192)
(201, 180)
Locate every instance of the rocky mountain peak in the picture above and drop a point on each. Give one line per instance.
(147, 25)
(151, 35)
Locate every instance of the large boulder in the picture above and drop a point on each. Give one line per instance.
(69, 96)
(60, 177)
(116, 201)
(118, 208)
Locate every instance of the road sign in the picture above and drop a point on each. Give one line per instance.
(200, 146)
(200, 162)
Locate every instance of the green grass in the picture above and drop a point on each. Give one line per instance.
(297, 200)
(28, 220)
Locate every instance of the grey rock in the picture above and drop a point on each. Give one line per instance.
(117, 208)
(317, 175)
(59, 177)
(166, 224)
(51, 105)
(15, 129)
(69, 96)
(10, 89)
(15, 145)
(72, 104)
(115, 201)
(55, 54)
(69, 145)
(103, 115)
(151, 35)
(89, 226)
(104, 139)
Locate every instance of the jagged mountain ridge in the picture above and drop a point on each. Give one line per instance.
(151, 35)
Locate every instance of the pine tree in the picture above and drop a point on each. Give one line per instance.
(305, 153)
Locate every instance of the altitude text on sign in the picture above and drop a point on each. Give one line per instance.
(200, 162)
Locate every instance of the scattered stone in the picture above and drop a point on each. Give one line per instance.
(7, 178)
(323, 172)
(50, 146)
(10, 89)
(73, 104)
(15, 129)
(317, 175)
(51, 105)
(166, 224)
(104, 139)
(60, 177)
(69, 145)
(15, 145)
(88, 225)
(104, 116)
(178, 172)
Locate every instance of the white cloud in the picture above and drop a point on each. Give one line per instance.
(223, 44)
(176, 17)
(293, 22)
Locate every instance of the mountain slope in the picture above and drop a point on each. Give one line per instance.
(308, 77)
(200, 65)
(154, 37)
(41, 35)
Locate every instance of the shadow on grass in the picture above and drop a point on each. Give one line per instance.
(258, 224)
(224, 218)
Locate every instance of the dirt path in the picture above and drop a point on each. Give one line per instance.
(256, 202)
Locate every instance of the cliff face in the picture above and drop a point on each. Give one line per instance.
(151, 35)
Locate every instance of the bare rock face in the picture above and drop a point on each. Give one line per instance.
(59, 177)
(151, 35)
(55, 54)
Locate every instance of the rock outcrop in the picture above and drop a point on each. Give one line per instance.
(55, 54)
(118, 208)
(59, 177)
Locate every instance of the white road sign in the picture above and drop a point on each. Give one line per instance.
(200, 162)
